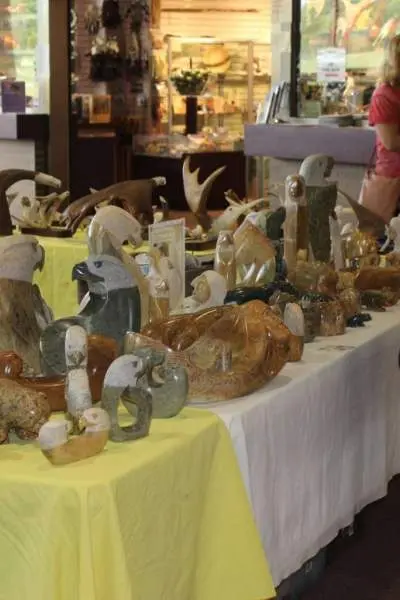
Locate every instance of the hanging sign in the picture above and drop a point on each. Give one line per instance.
(331, 65)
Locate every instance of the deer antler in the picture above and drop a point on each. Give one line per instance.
(196, 193)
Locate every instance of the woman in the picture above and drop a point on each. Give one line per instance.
(381, 189)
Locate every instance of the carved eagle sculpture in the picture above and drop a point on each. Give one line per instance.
(117, 295)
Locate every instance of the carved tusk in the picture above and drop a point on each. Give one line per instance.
(49, 180)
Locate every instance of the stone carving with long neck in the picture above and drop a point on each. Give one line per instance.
(9, 177)
(296, 222)
(197, 195)
(77, 388)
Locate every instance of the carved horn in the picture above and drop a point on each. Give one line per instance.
(197, 194)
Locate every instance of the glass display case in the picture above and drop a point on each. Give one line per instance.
(361, 28)
(24, 49)
(176, 145)
(238, 78)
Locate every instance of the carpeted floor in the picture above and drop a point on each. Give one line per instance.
(368, 567)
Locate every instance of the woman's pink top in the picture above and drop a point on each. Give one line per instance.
(385, 110)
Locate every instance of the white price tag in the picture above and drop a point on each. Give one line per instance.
(331, 65)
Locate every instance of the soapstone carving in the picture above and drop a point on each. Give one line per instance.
(121, 384)
(293, 318)
(224, 259)
(136, 197)
(22, 410)
(77, 388)
(22, 309)
(113, 307)
(295, 231)
(109, 230)
(158, 286)
(101, 353)
(333, 321)
(360, 249)
(167, 384)
(197, 196)
(378, 278)
(321, 201)
(9, 177)
(228, 352)
(209, 290)
(255, 256)
(40, 212)
(59, 449)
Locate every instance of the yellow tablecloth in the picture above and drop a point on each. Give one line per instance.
(163, 518)
(55, 280)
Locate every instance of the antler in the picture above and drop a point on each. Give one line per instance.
(196, 193)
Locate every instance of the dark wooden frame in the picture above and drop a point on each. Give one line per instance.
(59, 154)
(295, 42)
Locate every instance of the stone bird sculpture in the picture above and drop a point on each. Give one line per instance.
(121, 384)
(167, 384)
(23, 312)
(112, 309)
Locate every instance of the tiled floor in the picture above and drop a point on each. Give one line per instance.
(369, 567)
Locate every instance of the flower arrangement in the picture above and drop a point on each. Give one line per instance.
(105, 60)
(190, 82)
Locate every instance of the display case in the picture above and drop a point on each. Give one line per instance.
(176, 145)
(24, 49)
(238, 77)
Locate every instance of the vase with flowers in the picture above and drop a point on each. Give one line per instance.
(190, 83)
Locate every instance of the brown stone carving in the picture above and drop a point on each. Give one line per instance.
(228, 352)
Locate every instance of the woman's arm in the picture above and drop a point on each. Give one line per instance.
(389, 136)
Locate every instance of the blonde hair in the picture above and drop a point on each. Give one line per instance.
(391, 66)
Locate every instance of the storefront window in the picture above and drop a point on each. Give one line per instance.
(24, 52)
(360, 27)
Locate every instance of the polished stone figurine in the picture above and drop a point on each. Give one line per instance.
(113, 308)
(293, 318)
(167, 384)
(23, 312)
(121, 384)
(77, 389)
(209, 290)
(21, 410)
(228, 352)
(109, 230)
(59, 449)
(225, 260)
(158, 285)
(255, 256)
(295, 231)
(321, 201)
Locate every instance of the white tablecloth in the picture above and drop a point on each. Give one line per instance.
(321, 441)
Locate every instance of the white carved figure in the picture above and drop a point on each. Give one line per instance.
(209, 290)
(77, 389)
(316, 169)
